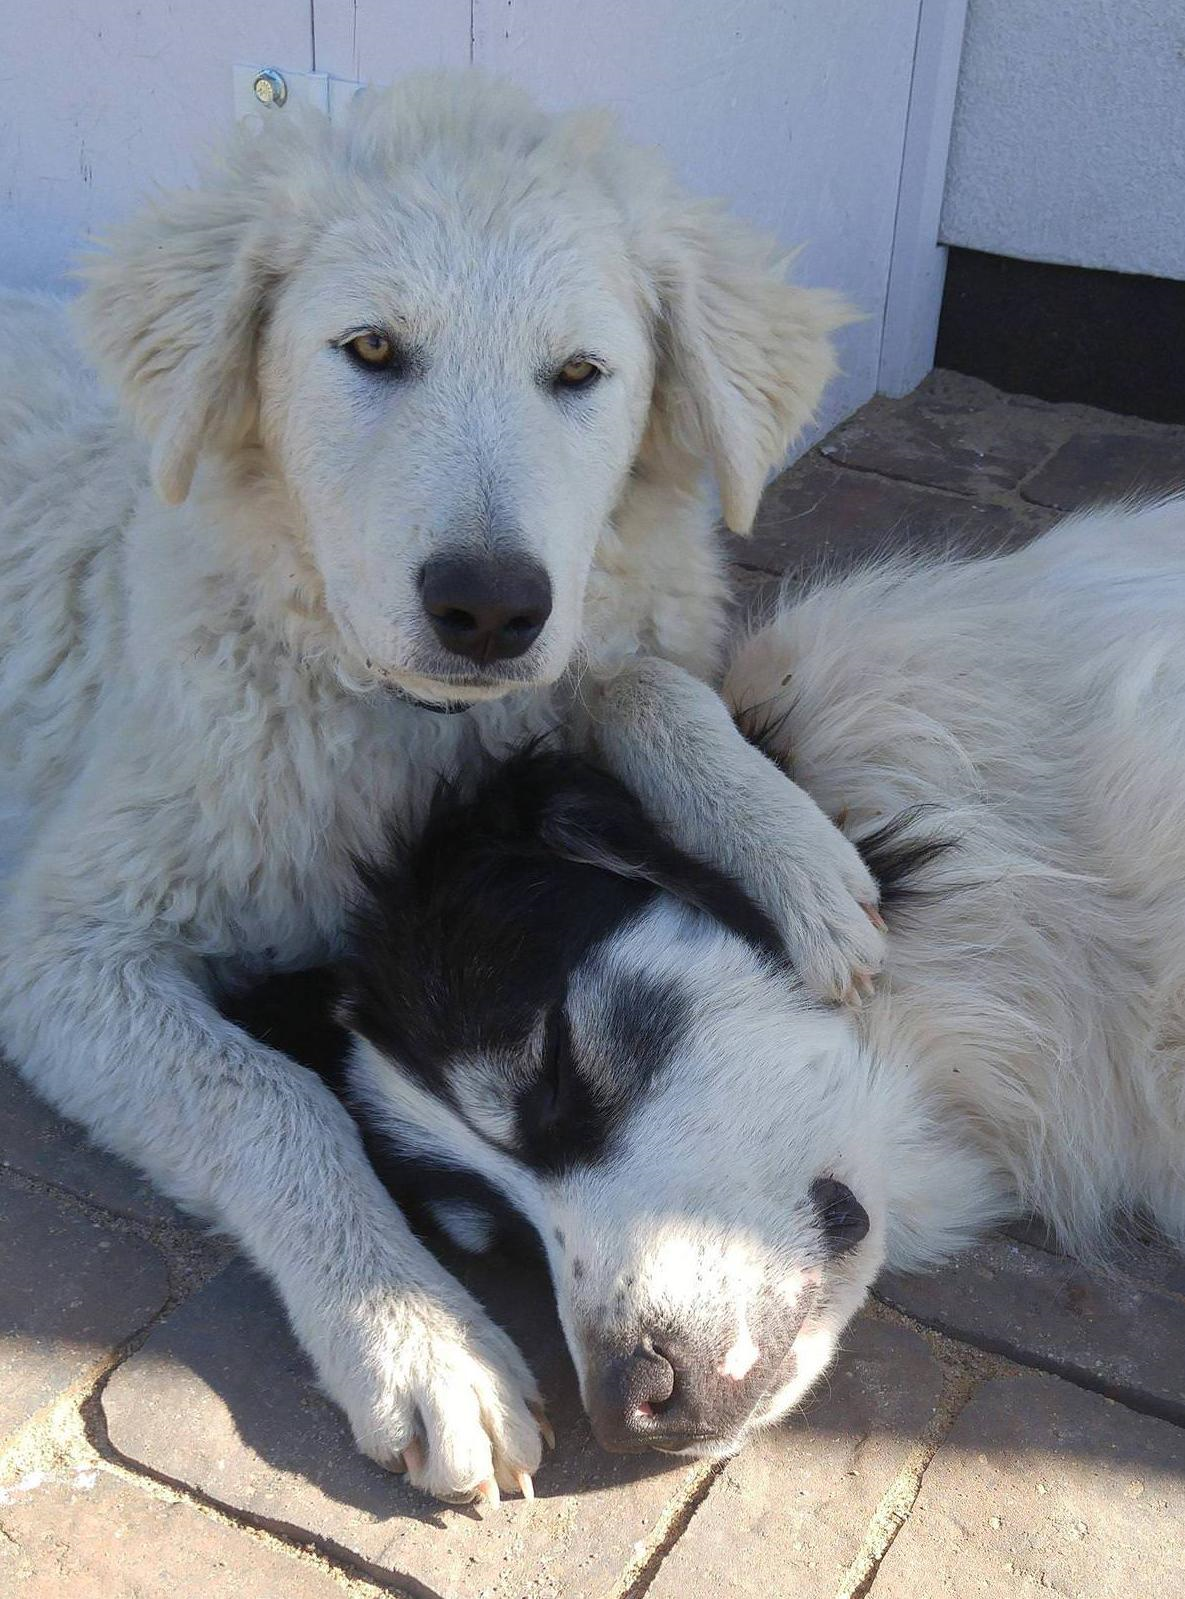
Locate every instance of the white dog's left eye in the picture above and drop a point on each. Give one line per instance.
(578, 374)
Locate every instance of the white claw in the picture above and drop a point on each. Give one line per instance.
(875, 917)
(488, 1493)
(525, 1486)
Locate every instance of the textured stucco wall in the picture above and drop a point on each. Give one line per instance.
(1069, 134)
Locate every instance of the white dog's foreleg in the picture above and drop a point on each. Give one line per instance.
(125, 1041)
(671, 739)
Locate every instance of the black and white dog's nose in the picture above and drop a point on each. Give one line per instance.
(484, 607)
(652, 1399)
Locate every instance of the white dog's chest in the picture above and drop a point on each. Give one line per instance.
(335, 794)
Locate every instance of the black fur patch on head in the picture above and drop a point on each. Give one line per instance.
(467, 937)
(296, 1013)
(465, 941)
(570, 1110)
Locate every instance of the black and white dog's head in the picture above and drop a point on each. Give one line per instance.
(554, 1008)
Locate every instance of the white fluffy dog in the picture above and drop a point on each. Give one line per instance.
(412, 419)
(716, 1165)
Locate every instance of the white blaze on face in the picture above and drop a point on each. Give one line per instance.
(797, 1282)
(744, 1354)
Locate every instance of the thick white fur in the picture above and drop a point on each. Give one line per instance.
(196, 727)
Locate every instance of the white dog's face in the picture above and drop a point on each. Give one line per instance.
(457, 392)
(448, 333)
(697, 1146)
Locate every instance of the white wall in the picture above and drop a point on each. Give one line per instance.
(101, 99)
(1069, 134)
(795, 110)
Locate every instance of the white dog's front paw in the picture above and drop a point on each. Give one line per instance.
(834, 932)
(448, 1400)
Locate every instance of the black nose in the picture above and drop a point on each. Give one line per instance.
(486, 608)
(654, 1399)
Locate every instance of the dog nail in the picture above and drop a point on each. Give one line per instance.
(546, 1429)
(875, 917)
(488, 1493)
(413, 1456)
(525, 1486)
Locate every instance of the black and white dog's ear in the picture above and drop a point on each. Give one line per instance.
(608, 829)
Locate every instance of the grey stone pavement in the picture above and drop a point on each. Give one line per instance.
(1013, 1424)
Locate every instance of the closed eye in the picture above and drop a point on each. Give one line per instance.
(842, 1219)
(548, 1093)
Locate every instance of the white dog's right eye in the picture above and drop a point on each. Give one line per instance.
(374, 350)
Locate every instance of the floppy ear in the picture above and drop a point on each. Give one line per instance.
(171, 313)
(743, 355)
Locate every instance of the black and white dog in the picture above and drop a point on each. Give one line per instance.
(529, 974)
(556, 1016)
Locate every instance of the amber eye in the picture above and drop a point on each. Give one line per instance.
(577, 374)
(372, 349)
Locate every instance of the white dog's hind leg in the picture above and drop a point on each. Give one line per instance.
(123, 1040)
(671, 739)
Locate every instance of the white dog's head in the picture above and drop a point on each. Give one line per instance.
(560, 1015)
(453, 329)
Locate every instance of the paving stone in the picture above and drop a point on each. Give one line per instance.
(1104, 1331)
(220, 1399)
(1041, 1487)
(1141, 1253)
(38, 1142)
(93, 1536)
(1098, 465)
(788, 1515)
(70, 1292)
(817, 514)
(951, 433)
